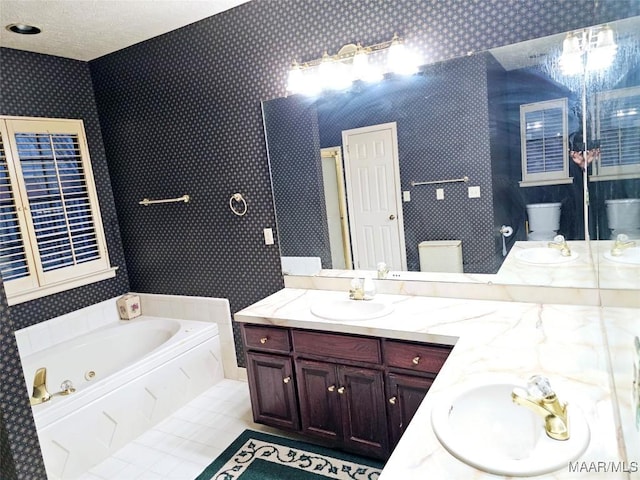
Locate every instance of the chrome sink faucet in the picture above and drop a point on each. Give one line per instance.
(542, 400)
(560, 243)
(622, 242)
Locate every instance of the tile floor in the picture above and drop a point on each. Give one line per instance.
(181, 446)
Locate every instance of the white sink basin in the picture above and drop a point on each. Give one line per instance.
(351, 309)
(484, 428)
(544, 256)
(629, 256)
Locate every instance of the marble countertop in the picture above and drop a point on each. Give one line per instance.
(494, 341)
(580, 272)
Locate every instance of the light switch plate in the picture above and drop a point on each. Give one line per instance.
(439, 193)
(406, 196)
(474, 192)
(268, 236)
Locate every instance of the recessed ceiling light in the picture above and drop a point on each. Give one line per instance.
(23, 29)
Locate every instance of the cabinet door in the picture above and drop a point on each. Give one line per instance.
(272, 389)
(364, 416)
(404, 395)
(319, 400)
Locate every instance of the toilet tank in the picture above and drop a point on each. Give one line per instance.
(440, 256)
(623, 213)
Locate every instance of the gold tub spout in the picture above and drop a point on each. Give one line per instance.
(547, 405)
(40, 393)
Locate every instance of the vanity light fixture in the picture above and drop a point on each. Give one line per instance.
(353, 62)
(591, 49)
(23, 29)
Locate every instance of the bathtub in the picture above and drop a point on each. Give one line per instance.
(128, 376)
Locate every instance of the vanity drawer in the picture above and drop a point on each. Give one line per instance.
(266, 339)
(417, 357)
(336, 346)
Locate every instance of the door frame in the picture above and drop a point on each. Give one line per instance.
(396, 180)
(336, 154)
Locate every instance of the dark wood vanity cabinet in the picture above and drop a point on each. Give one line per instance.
(271, 378)
(347, 391)
(344, 406)
(404, 395)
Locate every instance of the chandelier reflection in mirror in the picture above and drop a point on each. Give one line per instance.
(352, 63)
(591, 49)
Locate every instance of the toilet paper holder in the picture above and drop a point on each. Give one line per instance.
(505, 231)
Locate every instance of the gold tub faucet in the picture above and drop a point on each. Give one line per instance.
(542, 400)
(40, 393)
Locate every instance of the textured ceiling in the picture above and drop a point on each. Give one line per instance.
(87, 29)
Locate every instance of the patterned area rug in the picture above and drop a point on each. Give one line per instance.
(260, 456)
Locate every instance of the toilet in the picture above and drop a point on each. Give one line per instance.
(623, 216)
(544, 220)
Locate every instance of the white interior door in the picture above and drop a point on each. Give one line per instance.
(372, 175)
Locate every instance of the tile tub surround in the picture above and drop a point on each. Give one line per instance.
(493, 341)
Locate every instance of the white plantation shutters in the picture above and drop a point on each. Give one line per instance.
(52, 231)
(618, 131)
(544, 140)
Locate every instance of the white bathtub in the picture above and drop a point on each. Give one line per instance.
(128, 376)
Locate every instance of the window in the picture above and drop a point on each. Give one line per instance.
(51, 236)
(544, 140)
(618, 131)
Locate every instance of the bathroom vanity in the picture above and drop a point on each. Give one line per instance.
(349, 391)
(297, 362)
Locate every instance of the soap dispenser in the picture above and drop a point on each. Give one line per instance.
(369, 288)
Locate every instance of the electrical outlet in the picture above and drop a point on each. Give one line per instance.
(474, 192)
(439, 193)
(268, 236)
(406, 196)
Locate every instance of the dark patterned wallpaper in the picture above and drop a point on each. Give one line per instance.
(181, 114)
(44, 86)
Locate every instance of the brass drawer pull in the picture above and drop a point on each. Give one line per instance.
(263, 340)
(286, 379)
(341, 390)
(416, 360)
(332, 388)
(392, 400)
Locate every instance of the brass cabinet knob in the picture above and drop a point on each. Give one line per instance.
(341, 390)
(392, 217)
(392, 400)
(332, 388)
(416, 360)
(263, 340)
(286, 379)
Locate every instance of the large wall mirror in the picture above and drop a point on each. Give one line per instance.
(464, 148)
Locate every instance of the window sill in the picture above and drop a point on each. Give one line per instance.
(542, 183)
(613, 176)
(25, 296)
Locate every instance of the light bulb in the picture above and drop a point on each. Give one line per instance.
(295, 80)
(399, 60)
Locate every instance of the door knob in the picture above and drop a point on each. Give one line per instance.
(286, 379)
(332, 388)
(341, 390)
(392, 217)
(392, 400)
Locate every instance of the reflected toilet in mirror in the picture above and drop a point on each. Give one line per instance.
(623, 217)
(544, 220)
